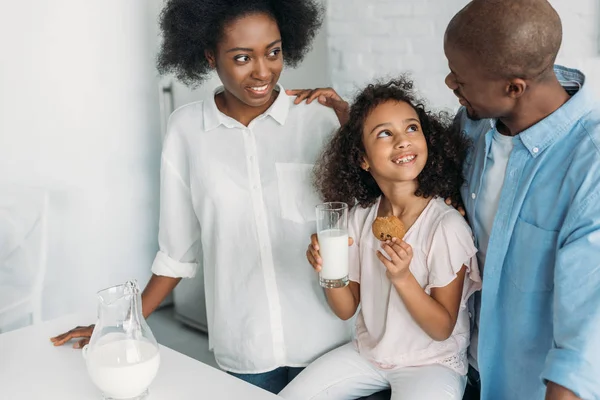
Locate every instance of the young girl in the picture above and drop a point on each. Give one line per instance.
(236, 193)
(395, 158)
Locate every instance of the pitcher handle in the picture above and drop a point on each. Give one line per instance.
(84, 351)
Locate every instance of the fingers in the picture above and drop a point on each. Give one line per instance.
(80, 343)
(321, 93)
(314, 94)
(78, 332)
(456, 205)
(341, 108)
(300, 97)
(403, 249)
(398, 250)
(313, 253)
(336, 104)
(387, 247)
(324, 95)
(387, 263)
(314, 258)
(61, 339)
(300, 94)
(350, 241)
(314, 241)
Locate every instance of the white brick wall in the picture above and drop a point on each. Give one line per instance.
(370, 39)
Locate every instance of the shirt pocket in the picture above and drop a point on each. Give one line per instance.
(297, 196)
(532, 255)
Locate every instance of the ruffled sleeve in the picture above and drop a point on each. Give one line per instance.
(452, 247)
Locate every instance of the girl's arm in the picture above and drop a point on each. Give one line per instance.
(435, 314)
(343, 301)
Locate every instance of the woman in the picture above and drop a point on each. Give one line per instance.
(236, 187)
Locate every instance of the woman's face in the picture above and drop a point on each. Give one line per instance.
(249, 58)
(395, 146)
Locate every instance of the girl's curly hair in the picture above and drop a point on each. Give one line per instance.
(189, 27)
(339, 176)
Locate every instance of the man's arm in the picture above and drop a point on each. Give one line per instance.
(557, 392)
(574, 362)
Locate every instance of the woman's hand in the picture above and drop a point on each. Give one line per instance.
(400, 254)
(84, 332)
(312, 253)
(326, 96)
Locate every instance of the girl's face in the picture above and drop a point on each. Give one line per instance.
(249, 59)
(395, 146)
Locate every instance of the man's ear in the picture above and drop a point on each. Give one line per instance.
(516, 88)
(210, 57)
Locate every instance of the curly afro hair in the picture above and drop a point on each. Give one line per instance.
(339, 176)
(189, 27)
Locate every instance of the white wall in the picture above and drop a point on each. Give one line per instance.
(79, 116)
(381, 38)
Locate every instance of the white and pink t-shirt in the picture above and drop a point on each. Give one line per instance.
(386, 333)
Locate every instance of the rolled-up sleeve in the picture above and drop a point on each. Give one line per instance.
(179, 230)
(574, 361)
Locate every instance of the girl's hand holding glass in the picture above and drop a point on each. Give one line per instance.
(312, 253)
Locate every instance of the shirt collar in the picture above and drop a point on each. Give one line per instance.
(213, 117)
(543, 134)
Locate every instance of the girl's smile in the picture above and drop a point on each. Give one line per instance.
(392, 134)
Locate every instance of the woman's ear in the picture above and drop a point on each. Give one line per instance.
(210, 57)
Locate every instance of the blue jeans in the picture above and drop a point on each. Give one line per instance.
(473, 385)
(272, 381)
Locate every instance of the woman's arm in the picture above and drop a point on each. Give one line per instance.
(155, 292)
(435, 314)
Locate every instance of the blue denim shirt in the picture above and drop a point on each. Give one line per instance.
(540, 302)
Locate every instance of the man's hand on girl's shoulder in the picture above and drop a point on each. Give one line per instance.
(456, 205)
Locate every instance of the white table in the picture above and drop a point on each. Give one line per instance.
(31, 368)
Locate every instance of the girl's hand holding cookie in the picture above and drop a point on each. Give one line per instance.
(400, 254)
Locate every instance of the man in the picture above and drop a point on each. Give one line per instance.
(533, 198)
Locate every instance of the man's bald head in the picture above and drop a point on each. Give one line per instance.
(508, 38)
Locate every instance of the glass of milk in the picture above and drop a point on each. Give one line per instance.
(332, 230)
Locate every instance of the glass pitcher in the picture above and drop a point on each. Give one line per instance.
(122, 357)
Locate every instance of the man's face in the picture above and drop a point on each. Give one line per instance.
(481, 95)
